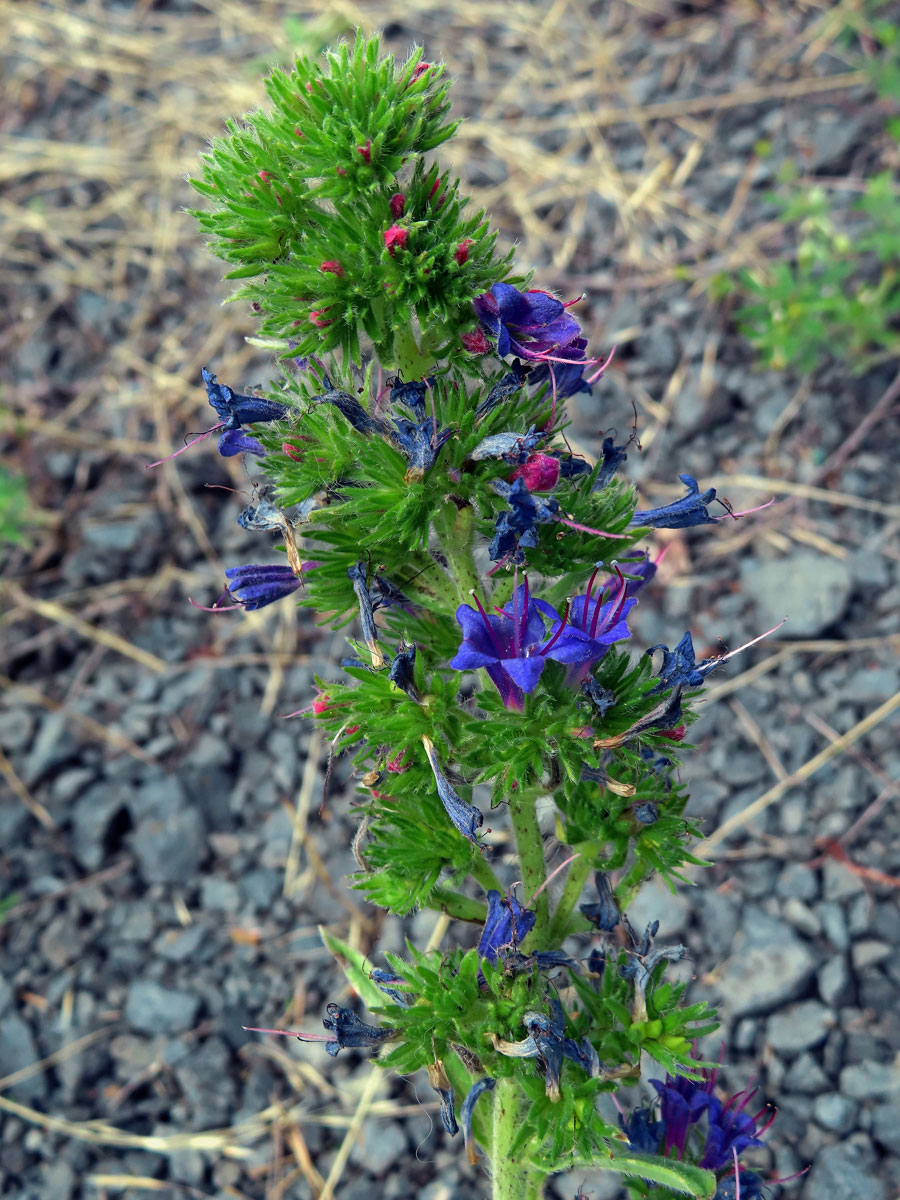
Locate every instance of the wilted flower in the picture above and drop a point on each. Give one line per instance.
(505, 387)
(680, 514)
(531, 324)
(346, 1031)
(437, 1077)
(411, 394)
(612, 457)
(508, 922)
(419, 444)
(351, 409)
(478, 1088)
(517, 529)
(604, 914)
(236, 409)
(357, 575)
(466, 817)
(384, 981)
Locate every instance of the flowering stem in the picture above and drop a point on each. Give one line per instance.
(454, 904)
(455, 528)
(513, 1180)
(411, 362)
(571, 893)
(531, 857)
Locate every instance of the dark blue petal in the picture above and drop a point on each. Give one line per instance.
(350, 1032)
(680, 514)
(235, 441)
(478, 1088)
(508, 922)
(236, 409)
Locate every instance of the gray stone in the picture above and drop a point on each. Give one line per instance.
(805, 1076)
(834, 923)
(871, 685)
(6, 995)
(838, 883)
(155, 1009)
(382, 1145)
(179, 945)
(204, 1077)
(811, 590)
(169, 841)
(18, 1049)
(93, 818)
(655, 902)
(869, 1080)
(835, 1112)
(52, 746)
(260, 887)
(799, 1027)
(220, 894)
(769, 966)
(844, 1172)
(802, 917)
(16, 729)
(886, 1122)
(798, 882)
(835, 984)
(869, 953)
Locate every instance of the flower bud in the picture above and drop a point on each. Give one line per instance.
(394, 237)
(332, 266)
(461, 254)
(476, 342)
(540, 472)
(398, 204)
(366, 151)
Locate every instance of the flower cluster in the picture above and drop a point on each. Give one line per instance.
(487, 573)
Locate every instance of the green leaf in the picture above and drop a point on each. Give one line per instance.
(353, 964)
(680, 1177)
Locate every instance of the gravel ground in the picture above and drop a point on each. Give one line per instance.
(154, 900)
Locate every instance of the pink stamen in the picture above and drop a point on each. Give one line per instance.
(587, 599)
(193, 442)
(562, 626)
(488, 625)
(434, 427)
(747, 511)
(502, 563)
(619, 603)
(520, 633)
(746, 646)
(552, 421)
(619, 537)
(737, 1174)
(598, 374)
(552, 875)
(577, 300)
(218, 607)
(546, 357)
(517, 642)
(304, 1037)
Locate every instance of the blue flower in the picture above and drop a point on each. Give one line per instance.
(237, 410)
(604, 914)
(235, 441)
(731, 1130)
(437, 1077)
(568, 376)
(402, 671)
(478, 1088)
(591, 627)
(531, 324)
(419, 444)
(357, 575)
(511, 645)
(682, 1102)
(643, 1133)
(254, 586)
(680, 514)
(350, 1033)
(517, 529)
(612, 457)
(679, 667)
(384, 980)
(508, 922)
(351, 410)
(502, 389)
(411, 394)
(466, 817)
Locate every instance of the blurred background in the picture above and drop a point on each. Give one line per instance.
(720, 181)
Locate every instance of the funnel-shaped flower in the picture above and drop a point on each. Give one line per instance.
(680, 514)
(531, 324)
(255, 585)
(507, 644)
(237, 410)
(591, 628)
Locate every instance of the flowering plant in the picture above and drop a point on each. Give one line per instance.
(415, 444)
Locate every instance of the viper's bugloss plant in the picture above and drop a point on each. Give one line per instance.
(413, 447)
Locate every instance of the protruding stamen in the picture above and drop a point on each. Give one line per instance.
(562, 626)
(619, 537)
(487, 623)
(193, 442)
(746, 646)
(747, 511)
(598, 374)
(587, 599)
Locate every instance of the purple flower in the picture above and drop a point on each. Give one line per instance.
(235, 441)
(254, 586)
(682, 1102)
(507, 924)
(591, 627)
(604, 914)
(511, 644)
(569, 376)
(680, 514)
(531, 324)
(237, 410)
(731, 1130)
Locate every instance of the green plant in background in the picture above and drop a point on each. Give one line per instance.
(15, 509)
(418, 471)
(839, 295)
